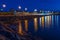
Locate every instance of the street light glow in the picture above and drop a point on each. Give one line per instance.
(19, 7)
(35, 10)
(4, 5)
(25, 9)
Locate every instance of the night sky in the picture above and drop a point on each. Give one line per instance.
(52, 5)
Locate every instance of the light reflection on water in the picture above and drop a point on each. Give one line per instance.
(45, 22)
(49, 24)
(20, 28)
(26, 25)
(42, 22)
(48, 21)
(35, 24)
(56, 19)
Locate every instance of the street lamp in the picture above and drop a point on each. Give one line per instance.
(3, 5)
(35, 10)
(19, 7)
(26, 9)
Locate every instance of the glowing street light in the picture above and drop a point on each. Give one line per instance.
(35, 10)
(19, 7)
(3, 5)
(25, 9)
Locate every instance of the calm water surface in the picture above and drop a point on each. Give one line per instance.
(46, 27)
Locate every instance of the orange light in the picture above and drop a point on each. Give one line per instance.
(26, 25)
(42, 21)
(35, 24)
(20, 28)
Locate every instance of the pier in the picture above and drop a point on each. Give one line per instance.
(7, 19)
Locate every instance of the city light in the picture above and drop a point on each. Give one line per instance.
(3, 5)
(19, 7)
(35, 10)
(25, 9)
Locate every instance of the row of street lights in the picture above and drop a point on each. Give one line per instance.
(19, 7)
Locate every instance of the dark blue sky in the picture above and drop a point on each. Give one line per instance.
(31, 4)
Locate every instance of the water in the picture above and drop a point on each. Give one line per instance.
(46, 27)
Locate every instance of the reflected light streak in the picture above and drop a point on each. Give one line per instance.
(26, 25)
(52, 19)
(35, 24)
(47, 21)
(42, 21)
(57, 21)
(20, 28)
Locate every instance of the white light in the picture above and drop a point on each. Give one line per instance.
(35, 9)
(25, 8)
(4, 5)
(19, 7)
